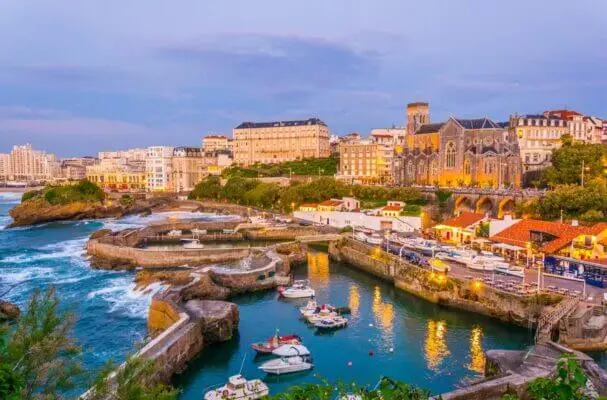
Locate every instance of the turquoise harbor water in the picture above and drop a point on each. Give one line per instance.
(433, 347)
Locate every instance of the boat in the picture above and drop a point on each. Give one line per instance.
(239, 388)
(360, 236)
(375, 239)
(275, 342)
(323, 313)
(311, 306)
(293, 358)
(510, 270)
(192, 244)
(331, 323)
(299, 290)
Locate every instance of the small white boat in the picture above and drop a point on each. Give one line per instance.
(299, 290)
(510, 270)
(286, 365)
(310, 307)
(193, 244)
(323, 313)
(375, 239)
(291, 350)
(331, 323)
(238, 388)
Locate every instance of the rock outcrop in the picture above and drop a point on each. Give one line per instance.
(218, 320)
(8, 311)
(39, 211)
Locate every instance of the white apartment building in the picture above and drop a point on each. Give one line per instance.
(137, 154)
(343, 219)
(584, 129)
(26, 165)
(158, 165)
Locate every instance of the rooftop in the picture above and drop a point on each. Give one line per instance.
(391, 208)
(429, 128)
(276, 124)
(519, 234)
(464, 220)
(332, 203)
(477, 123)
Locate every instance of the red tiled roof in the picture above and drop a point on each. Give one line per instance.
(309, 205)
(464, 220)
(331, 203)
(391, 208)
(519, 234)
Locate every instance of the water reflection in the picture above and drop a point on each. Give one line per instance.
(435, 346)
(354, 300)
(318, 267)
(383, 312)
(477, 355)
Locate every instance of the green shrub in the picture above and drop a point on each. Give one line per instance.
(82, 191)
(411, 210)
(126, 200)
(30, 195)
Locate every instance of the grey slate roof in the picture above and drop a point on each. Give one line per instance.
(478, 123)
(310, 121)
(429, 128)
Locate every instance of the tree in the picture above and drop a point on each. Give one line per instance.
(263, 195)
(41, 352)
(573, 200)
(134, 380)
(568, 383)
(567, 164)
(235, 188)
(207, 189)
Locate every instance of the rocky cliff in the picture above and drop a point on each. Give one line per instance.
(39, 211)
(8, 311)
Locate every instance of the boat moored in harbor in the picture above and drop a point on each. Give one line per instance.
(275, 342)
(299, 290)
(239, 388)
(293, 358)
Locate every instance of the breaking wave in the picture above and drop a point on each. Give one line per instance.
(125, 298)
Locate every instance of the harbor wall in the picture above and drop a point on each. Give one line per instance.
(463, 294)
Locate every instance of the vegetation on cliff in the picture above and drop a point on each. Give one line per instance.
(40, 359)
(312, 166)
(84, 190)
(271, 196)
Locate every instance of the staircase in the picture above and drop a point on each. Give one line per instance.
(548, 320)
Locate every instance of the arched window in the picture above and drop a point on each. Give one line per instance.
(421, 168)
(489, 166)
(410, 169)
(434, 168)
(467, 167)
(450, 155)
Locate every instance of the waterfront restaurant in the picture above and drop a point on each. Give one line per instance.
(460, 229)
(570, 250)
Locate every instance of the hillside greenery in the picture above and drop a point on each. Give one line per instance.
(84, 190)
(567, 162)
(312, 166)
(255, 193)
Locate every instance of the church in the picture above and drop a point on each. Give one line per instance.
(457, 152)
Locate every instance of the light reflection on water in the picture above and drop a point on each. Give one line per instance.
(477, 354)
(435, 347)
(318, 268)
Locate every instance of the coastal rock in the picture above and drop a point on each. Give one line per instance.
(100, 233)
(205, 288)
(218, 319)
(8, 311)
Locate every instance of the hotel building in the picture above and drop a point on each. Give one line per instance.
(25, 164)
(111, 175)
(279, 141)
(216, 142)
(364, 162)
(187, 168)
(158, 165)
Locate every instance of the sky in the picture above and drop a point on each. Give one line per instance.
(77, 77)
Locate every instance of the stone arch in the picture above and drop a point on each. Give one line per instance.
(463, 203)
(485, 205)
(505, 206)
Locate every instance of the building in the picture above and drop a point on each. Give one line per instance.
(279, 141)
(364, 162)
(331, 205)
(110, 175)
(459, 152)
(583, 129)
(187, 168)
(460, 229)
(417, 114)
(211, 143)
(24, 164)
(356, 220)
(158, 166)
(130, 155)
(538, 136)
(74, 169)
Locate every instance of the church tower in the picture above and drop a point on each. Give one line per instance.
(418, 114)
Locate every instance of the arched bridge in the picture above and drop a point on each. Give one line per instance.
(493, 202)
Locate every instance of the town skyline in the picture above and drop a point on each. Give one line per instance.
(94, 79)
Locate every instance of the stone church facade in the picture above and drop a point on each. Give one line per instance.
(461, 152)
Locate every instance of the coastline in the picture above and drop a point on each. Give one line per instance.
(19, 189)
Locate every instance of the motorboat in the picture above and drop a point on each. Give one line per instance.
(510, 270)
(321, 314)
(331, 323)
(310, 307)
(192, 244)
(275, 342)
(293, 358)
(299, 290)
(239, 388)
(375, 239)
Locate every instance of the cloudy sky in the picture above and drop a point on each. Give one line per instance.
(81, 76)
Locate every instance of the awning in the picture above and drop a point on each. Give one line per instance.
(507, 246)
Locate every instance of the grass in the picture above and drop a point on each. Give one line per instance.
(312, 166)
(81, 191)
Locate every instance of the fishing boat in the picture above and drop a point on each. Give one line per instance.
(510, 270)
(299, 290)
(192, 244)
(239, 388)
(293, 358)
(275, 342)
(331, 323)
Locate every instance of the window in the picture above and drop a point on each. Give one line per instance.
(434, 168)
(467, 167)
(410, 169)
(450, 155)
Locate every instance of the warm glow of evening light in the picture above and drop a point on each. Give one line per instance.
(435, 345)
